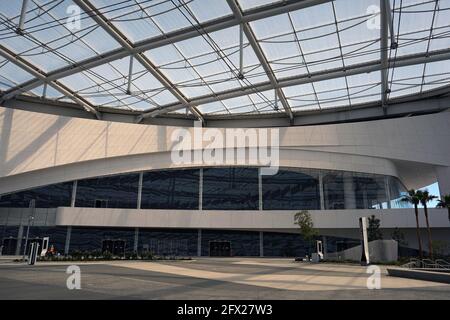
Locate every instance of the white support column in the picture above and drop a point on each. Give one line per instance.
(261, 244)
(241, 52)
(384, 47)
(394, 43)
(136, 240)
(130, 74)
(200, 190)
(276, 100)
(366, 200)
(22, 17)
(44, 91)
(443, 178)
(139, 200)
(74, 193)
(19, 240)
(67, 243)
(388, 191)
(199, 243)
(322, 197)
(349, 191)
(260, 191)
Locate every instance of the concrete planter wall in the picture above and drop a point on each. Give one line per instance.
(379, 251)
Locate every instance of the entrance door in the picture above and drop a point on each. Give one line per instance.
(119, 248)
(220, 249)
(114, 247)
(107, 246)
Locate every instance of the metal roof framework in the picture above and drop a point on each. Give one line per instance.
(223, 58)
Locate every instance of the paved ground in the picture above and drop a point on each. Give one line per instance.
(221, 278)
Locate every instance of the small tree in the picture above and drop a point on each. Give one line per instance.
(373, 230)
(304, 221)
(445, 203)
(439, 247)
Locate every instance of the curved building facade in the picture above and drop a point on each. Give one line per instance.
(99, 185)
(223, 188)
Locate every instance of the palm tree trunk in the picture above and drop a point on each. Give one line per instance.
(448, 208)
(416, 211)
(430, 246)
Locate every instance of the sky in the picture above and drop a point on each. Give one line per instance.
(434, 190)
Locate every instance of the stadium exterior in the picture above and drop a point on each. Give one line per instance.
(359, 100)
(95, 181)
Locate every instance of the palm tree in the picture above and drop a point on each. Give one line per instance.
(445, 203)
(412, 198)
(425, 197)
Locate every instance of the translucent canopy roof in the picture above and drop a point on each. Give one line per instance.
(223, 58)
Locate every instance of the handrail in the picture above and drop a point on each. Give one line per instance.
(427, 264)
(413, 263)
(442, 262)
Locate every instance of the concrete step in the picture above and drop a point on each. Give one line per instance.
(9, 259)
(426, 275)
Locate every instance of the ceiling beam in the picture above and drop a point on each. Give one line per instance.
(261, 57)
(115, 33)
(384, 48)
(367, 67)
(165, 39)
(36, 72)
(420, 103)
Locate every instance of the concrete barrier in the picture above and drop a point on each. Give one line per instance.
(379, 251)
(434, 276)
(9, 259)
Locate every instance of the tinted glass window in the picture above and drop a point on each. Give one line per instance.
(171, 189)
(240, 243)
(92, 239)
(53, 196)
(397, 191)
(333, 191)
(111, 192)
(290, 190)
(168, 242)
(230, 189)
(352, 190)
(284, 245)
(370, 191)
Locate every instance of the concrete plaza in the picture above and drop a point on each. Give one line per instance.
(209, 278)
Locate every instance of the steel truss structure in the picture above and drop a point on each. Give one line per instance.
(224, 58)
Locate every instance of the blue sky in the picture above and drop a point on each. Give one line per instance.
(434, 190)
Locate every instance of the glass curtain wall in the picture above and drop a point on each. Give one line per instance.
(230, 189)
(227, 188)
(171, 189)
(52, 196)
(294, 189)
(108, 192)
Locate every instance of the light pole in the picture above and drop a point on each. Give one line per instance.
(30, 221)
